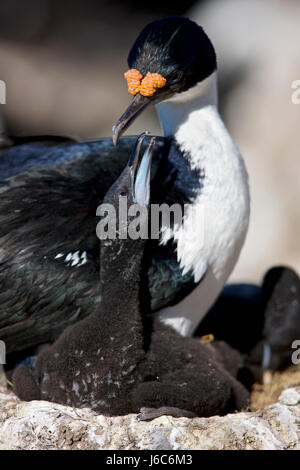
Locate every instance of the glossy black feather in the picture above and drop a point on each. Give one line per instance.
(51, 210)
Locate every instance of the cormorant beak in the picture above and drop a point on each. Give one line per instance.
(266, 362)
(136, 107)
(140, 168)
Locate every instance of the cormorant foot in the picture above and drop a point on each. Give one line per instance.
(147, 414)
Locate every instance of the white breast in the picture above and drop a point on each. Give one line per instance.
(215, 226)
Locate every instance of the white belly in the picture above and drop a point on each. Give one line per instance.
(211, 246)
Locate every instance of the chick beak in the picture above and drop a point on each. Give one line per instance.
(140, 166)
(266, 362)
(136, 107)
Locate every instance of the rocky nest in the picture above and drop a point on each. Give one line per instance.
(272, 423)
(264, 395)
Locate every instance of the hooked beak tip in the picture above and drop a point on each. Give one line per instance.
(115, 135)
(137, 105)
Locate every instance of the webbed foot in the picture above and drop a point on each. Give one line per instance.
(147, 414)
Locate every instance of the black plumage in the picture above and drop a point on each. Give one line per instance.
(281, 292)
(117, 360)
(237, 317)
(50, 191)
(51, 210)
(262, 322)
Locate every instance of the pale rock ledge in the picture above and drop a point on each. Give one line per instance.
(44, 425)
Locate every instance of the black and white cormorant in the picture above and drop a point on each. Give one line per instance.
(112, 361)
(48, 247)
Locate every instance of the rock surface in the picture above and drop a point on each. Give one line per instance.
(43, 425)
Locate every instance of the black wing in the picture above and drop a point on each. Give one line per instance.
(167, 285)
(49, 252)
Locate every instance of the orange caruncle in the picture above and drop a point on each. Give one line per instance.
(133, 78)
(147, 86)
(151, 83)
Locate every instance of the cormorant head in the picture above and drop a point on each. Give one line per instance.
(179, 51)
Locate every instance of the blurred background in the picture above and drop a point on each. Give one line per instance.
(63, 64)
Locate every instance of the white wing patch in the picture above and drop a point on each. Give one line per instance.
(76, 258)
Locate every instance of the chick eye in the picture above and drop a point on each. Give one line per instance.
(123, 194)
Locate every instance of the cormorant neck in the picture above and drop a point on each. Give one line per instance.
(123, 289)
(121, 260)
(173, 113)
